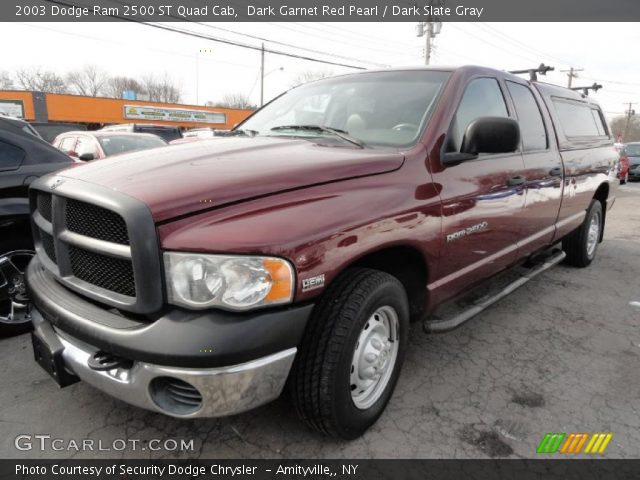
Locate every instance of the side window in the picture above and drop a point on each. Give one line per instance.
(68, 145)
(600, 124)
(532, 130)
(482, 98)
(86, 145)
(577, 119)
(11, 157)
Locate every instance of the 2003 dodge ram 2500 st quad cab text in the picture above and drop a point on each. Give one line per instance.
(198, 280)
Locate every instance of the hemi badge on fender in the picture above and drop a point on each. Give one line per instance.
(312, 283)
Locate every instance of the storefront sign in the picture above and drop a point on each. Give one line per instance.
(141, 112)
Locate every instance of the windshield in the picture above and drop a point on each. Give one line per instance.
(377, 109)
(116, 144)
(632, 150)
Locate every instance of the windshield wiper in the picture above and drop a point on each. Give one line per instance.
(318, 128)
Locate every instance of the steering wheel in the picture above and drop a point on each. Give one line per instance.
(405, 126)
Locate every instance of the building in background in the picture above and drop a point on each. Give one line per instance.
(95, 112)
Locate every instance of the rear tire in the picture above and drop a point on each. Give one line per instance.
(581, 245)
(352, 351)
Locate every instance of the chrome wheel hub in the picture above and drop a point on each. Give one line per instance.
(593, 235)
(14, 304)
(374, 357)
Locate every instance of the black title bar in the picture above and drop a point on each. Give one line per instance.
(319, 10)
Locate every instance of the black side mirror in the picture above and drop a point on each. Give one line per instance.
(86, 157)
(491, 135)
(487, 135)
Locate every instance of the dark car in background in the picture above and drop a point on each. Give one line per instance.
(18, 125)
(24, 157)
(86, 146)
(49, 131)
(631, 152)
(166, 132)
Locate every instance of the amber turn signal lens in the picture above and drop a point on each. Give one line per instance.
(281, 278)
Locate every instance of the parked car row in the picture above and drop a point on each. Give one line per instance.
(100, 144)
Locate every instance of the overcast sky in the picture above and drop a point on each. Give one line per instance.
(602, 50)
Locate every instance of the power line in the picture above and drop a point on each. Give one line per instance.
(248, 46)
(276, 42)
(221, 40)
(471, 34)
(522, 45)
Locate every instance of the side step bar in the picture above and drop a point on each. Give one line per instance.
(454, 314)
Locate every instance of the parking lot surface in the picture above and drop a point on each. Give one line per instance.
(562, 354)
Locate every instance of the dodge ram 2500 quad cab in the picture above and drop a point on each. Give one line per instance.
(200, 279)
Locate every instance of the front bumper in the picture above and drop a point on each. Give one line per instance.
(175, 353)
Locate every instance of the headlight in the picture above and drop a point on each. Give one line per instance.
(231, 282)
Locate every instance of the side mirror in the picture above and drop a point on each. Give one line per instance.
(491, 135)
(487, 135)
(86, 157)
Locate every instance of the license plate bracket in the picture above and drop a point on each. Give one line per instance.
(48, 354)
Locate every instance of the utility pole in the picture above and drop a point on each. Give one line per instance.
(630, 113)
(432, 28)
(262, 75)
(572, 73)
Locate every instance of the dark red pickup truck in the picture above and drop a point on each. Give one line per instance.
(199, 280)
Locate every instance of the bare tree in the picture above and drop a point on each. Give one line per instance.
(162, 89)
(619, 125)
(310, 76)
(6, 82)
(234, 100)
(40, 80)
(89, 81)
(117, 85)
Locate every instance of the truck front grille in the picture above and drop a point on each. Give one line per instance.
(82, 235)
(96, 222)
(105, 272)
(44, 206)
(47, 244)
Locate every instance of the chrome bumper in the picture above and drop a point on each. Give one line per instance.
(224, 390)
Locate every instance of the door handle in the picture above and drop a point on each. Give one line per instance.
(516, 180)
(556, 172)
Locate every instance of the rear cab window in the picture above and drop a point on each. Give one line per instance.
(579, 119)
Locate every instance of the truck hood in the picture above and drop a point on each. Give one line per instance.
(184, 179)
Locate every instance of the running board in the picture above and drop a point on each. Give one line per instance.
(454, 314)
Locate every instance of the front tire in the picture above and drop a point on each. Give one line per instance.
(582, 244)
(351, 354)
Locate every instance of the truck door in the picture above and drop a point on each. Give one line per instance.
(482, 199)
(543, 170)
